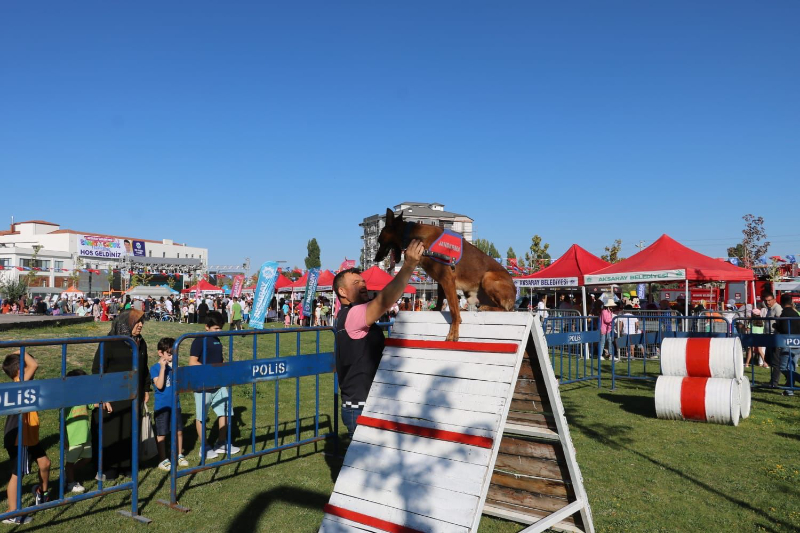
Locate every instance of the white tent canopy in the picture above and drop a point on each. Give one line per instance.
(145, 290)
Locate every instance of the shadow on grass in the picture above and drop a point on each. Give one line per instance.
(608, 435)
(637, 405)
(247, 519)
(794, 436)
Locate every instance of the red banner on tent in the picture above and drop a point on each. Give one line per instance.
(238, 285)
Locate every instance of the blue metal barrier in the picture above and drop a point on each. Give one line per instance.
(255, 370)
(65, 392)
(572, 338)
(638, 339)
(788, 345)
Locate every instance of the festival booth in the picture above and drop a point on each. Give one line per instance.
(567, 271)
(72, 291)
(668, 261)
(204, 287)
(143, 291)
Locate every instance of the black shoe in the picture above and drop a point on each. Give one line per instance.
(39, 496)
(788, 393)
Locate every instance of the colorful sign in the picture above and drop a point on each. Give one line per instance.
(546, 282)
(138, 248)
(311, 289)
(238, 285)
(636, 277)
(267, 276)
(103, 247)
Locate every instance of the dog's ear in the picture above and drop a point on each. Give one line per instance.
(389, 217)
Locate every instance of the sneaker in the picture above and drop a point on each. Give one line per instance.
(165, 465)
(19, 520)
(788, 393)
(222, 448)
(39, 496)
(615, 358)
(210, 454)
(182, 460)
(75, 487)
(108, 475)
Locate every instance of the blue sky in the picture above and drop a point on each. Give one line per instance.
(249, 128)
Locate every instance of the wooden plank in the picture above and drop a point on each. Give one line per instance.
(442, 473)
(527, 397)
(467, 317)
(528, 386)
(469, 402)
(564, 512)
(534, 419)
(531, 466)
(512, 512)
(459, 356)
(458, 417)
(443, 368)
(483, 331)
(421, 445)
(461, 338)
(524, 498)
(393, 513)
(530, 448)
(442, 383)
(546, 487)
(526, 406)
(530, 431)
(398, 493)
(431, 424)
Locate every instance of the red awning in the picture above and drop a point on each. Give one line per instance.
(575, 263)
(377, 279)
(668, 254)
(204, 286)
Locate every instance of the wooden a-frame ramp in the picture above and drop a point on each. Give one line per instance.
(453, 430)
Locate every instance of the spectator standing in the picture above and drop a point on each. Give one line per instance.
(236, 314)
(202, 312)
(788, 355)
(607, 330)
(161, 374)
(79, 452)
(773, 310)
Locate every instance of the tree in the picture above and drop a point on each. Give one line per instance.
(510, 253)
(754, 244)
(110, 278)
(13, 289)
(30, 277)
(736, 252)
(141, 278)
(537, 257)
(612, 252)
(487, 247)
(312, 260)
(75, 276)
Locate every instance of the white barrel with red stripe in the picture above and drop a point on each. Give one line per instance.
(706, 399)
(744, 397)
(702, 357)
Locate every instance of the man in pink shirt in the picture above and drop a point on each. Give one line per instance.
(359, 342)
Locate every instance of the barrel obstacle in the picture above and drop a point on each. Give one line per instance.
(702, 379)
(453, 430)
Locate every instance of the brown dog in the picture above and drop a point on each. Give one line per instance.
(482, 279)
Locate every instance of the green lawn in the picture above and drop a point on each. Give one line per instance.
(641, 474)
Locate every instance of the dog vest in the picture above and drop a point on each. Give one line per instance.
(448, 248)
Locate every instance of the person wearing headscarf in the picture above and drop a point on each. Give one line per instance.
(117, 415)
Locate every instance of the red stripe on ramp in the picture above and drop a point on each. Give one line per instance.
(497, 347)
(698, 358)
(431, 433)
(367, 520)
(693, 398)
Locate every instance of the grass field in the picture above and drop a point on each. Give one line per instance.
(641, 474)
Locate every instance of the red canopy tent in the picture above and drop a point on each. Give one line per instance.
(667, 260)
(282, 282)
(566, 271)
(203, 286)
(324, 283)
(377, 279)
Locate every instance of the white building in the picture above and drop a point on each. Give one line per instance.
(54, 253)
(419, 212)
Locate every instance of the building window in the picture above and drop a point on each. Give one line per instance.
(35, 263)
(59, 264)
(163, 254)
(5, 261)
(150, 253)
(179, 255)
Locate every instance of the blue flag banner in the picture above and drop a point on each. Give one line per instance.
(762, 260)
(311, 289)
(791, 259)
(267, 276)
(640, 290)
(735, 261)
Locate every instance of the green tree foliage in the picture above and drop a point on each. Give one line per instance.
(754, 244)
(313, 260)
(13, 289)
(510, 254)
(487, 247)
(75, 276)
(141, 278)
(537, 258)
(612, 252)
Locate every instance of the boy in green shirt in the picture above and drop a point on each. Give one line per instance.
(80, 446)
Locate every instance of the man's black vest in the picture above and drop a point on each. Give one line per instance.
(357, 360)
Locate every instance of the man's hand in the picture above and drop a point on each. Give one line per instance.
(414, 253)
